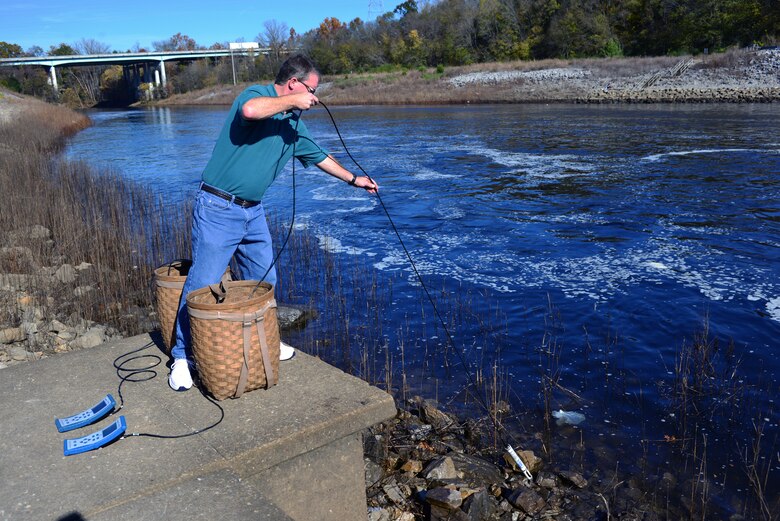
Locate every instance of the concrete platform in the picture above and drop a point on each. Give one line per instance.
(292, 452)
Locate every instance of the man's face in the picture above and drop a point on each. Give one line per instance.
(309, 85)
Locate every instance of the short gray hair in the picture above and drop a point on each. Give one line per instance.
(298, 66)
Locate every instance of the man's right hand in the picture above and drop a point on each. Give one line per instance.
(303, 101)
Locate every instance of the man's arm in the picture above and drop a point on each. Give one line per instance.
(331, 166)
(263, 107)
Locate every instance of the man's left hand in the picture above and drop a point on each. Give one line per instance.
(367, 184)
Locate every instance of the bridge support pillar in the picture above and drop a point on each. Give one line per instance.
(53, 78)
(162, 73)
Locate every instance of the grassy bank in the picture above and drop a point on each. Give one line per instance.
(735, 76)
(79, 245)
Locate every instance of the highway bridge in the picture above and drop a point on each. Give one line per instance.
(149, 65)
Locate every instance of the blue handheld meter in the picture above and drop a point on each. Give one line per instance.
(102, 408)
(96, 439)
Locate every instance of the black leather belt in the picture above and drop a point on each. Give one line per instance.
(243, 203)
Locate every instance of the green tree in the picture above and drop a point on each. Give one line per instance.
(177, 42)
(62, 49)
(10, 50)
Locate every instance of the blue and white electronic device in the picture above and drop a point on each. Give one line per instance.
(105, 406)
(96, 439)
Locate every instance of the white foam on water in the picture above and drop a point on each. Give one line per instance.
(327, 193)
(573, 218)
(657, 265)
(773, 308)
(428, 174)
(658, 157)
(599, 276)
(543, 166)
(449, 213)
(333, 245)
(355, 209)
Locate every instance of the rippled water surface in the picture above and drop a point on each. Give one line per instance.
(602, 237)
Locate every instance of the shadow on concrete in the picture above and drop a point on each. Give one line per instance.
(73, 516)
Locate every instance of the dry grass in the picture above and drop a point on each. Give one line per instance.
(94, 217)
(426, 86)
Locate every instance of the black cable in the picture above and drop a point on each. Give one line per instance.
(143, 374)
(292, 220)
(480, 399)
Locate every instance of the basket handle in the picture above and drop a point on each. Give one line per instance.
(171, 264)
(243, 377)
(219, 290)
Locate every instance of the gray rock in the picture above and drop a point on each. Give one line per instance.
(477, 471)
(38, 232)
(394, 493)
(30, 328)
(18, 353)
(82, 291)
(17, 259)
(66, 274)
(527, 500)
(546, 480)
(433, 416)
(440, 468)
(420, 432)
(2, 365)
(11, 335)
(56, 326)
(574, 478)
(480, 505)
(379, 514)
(668, 480)
(84, 266)
(93, 337)
(290, 317)
(437, 513)
(14, 281)
(374, 447)
(373, 472)
(444, 497)
(66, 336)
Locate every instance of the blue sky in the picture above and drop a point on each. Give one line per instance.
(122, 25)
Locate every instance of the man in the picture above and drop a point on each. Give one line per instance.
(253, 147)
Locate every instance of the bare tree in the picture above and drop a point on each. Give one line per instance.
(91, 46)
(275, 36)
(87, 79)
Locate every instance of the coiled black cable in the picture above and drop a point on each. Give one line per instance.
(143, 374)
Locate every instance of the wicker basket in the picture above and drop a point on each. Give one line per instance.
(235, 341)
(169, 282)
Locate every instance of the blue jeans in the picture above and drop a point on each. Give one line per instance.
(220, 230)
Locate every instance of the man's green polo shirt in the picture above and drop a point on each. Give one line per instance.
(249, 155)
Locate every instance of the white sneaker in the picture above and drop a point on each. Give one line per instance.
(285, 351)
(180, 378)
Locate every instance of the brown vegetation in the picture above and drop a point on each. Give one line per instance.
(733, 76)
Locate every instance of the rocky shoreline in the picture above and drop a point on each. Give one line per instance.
(737, 76)
(426, 464)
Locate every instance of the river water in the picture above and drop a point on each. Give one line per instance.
(601, 239)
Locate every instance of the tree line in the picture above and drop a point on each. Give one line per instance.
(442, 33)
(459, 32)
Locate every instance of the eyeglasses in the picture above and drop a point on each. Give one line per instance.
(311, 91)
